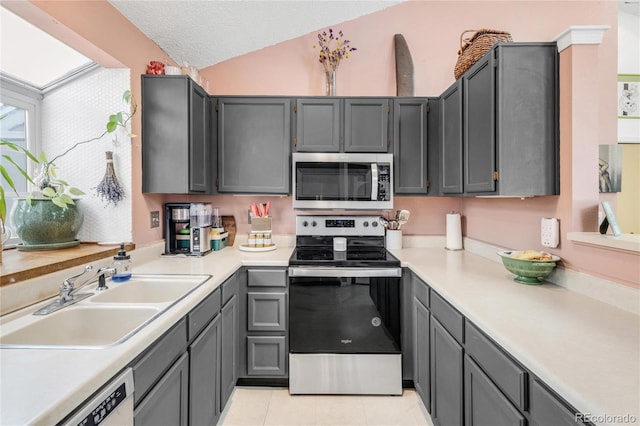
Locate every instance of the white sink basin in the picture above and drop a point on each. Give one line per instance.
(81, 327)
(147, 288)
(105, 319)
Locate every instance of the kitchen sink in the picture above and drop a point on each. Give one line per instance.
(81, 327)
(150, 288)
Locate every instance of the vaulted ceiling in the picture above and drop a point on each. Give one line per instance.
(204, 33)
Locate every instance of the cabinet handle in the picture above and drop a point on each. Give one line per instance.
(496, 175)
(295, 141)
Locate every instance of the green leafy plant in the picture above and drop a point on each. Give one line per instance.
(47, 183)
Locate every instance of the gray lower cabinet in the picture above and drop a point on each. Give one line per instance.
(254, 145)
(167, 402)
(229, 349)
(204, 376)
(484, 404)
(446, 377)
(547, 409)
(421, 360)
(410, 146)
(359, 124)
(264, 345)
(266, 355)
(177, 146)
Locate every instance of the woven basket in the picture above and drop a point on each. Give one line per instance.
(475, 47)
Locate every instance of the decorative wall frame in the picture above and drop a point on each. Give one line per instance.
(628, 106)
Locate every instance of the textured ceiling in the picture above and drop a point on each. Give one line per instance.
(204, 33)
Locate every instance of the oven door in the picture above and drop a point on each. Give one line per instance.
(344, 331)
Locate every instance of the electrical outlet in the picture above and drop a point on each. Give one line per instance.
(550, 232)
(155, 219)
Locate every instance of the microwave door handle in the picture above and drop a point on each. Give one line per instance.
(374, 182)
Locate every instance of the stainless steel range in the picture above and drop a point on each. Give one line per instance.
(344, 308)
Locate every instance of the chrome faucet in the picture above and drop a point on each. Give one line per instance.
(68, 289)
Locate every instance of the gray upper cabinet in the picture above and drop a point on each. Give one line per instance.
(451, 140)
(366, 124)
(342, 124)
(500, 124)
(410, 154)
(177, 150)
(318, 125)
(254, 145)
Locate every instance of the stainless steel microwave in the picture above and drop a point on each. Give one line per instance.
(345, 181)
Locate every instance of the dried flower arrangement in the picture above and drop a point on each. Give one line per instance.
(333, 49)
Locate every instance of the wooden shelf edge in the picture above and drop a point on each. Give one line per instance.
(20, 266)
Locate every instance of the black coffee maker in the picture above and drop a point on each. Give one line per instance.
(177, 238)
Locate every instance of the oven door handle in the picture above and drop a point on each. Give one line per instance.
(321, 271)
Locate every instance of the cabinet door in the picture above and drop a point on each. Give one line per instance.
(479, 128)
(266, 355)
(254, 143)
(421, 366)
(547, 409)
(451, 139)
(266, 311)
(366, 125)
(410, 146)
(165, 134)
(167, 402)
(318, 125)
(229, 350)
(204, 376)
(484, 404)
(199, 146)
(446, 377)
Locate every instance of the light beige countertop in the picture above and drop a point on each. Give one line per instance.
(586, 350)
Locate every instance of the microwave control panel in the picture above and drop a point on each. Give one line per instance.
(384, 182)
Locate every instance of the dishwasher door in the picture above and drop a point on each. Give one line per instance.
(111, 406)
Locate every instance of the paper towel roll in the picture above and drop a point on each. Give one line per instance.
(454, 232)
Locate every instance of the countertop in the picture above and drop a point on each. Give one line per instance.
(586, 350)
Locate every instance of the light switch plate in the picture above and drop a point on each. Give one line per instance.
(550, 232)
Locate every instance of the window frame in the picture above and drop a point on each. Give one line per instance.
(30, 101)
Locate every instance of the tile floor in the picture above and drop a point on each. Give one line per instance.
(274, 406)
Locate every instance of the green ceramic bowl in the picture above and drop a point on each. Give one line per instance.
(527, 271)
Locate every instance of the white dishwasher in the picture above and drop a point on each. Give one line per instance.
(111, 406)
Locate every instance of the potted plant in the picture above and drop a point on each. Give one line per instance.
(48, 216)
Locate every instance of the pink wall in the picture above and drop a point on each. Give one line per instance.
(432, 30)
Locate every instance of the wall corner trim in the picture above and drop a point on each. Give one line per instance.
(580, 34)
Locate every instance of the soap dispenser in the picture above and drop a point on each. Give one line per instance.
(122, 265)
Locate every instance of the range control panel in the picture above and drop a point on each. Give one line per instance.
(339, 225)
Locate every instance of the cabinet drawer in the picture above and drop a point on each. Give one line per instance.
(200, 316)
(509, 376)
(266, 355)
(267, 278)
(266, 311)
(148, 369)
(421, 290)
(546, 409)
(448, 316)
(229, 288)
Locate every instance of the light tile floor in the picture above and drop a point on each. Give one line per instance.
(274, 406)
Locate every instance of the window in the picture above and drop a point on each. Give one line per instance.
(18, 126)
